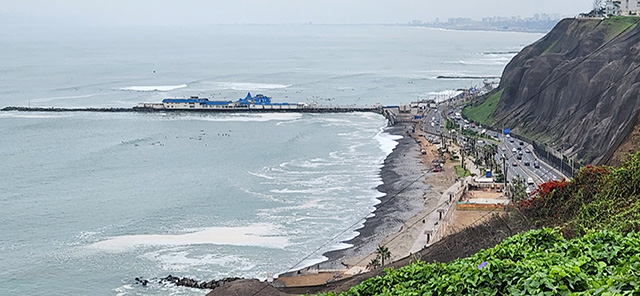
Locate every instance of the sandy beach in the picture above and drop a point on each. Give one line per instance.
(411, 191)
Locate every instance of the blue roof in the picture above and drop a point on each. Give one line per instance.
(218, 103)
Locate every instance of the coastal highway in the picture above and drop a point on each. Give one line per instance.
(540, 174)
(433, 123)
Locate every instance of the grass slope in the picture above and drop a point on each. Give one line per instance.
(482, 113)
(616, 24)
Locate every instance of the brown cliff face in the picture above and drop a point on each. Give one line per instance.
(577, 88)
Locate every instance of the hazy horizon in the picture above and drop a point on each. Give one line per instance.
(198, 12)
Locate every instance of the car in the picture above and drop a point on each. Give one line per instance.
(519, 156)
(503, 149)
(530, 181)
(528, 191)
(519, 148)
(514, 150)
(526, 163)
(515, 163)
(521, 143)
(527, 150)
(536, 164)
(511, 140)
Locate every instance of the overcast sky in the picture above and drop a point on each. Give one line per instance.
(171, 12)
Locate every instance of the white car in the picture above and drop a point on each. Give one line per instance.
(530, 181)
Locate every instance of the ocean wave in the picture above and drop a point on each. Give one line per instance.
(248, 86)
(257, 235)
(387, 141)
(49, 99)
(34, 115)
(485, 62)
(314, 191)
(181, 259)
(153, 88)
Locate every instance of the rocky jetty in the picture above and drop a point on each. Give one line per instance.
(191, 283)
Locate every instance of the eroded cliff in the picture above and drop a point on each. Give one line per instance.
(576, 89)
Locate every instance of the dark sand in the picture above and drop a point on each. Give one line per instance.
(404, 187)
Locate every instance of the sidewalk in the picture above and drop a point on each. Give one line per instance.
(433, 227)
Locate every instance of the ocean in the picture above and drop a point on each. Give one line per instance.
(90, 201)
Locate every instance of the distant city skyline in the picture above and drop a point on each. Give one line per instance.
(201, 12)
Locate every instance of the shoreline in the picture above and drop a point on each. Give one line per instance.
(403, 187)
(410, 190)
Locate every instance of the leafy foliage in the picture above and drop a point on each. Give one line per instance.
(597, 198)
(539, 262)
(383, 253)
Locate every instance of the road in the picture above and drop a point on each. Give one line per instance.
(433, 123)
(539, 174)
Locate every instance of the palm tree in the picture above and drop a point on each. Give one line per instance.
(373, 264)
(383, 253)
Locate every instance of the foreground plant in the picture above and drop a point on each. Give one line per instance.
(539, 262)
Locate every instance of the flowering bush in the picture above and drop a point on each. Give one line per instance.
(598, 197)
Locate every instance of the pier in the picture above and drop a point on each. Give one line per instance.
(306, 109)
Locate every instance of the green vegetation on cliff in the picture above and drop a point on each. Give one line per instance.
(598, 198)
(617, 24)
(482, 113)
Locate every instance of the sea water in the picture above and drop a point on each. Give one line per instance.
(90, 201)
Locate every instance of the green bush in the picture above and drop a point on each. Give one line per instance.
(539, 262)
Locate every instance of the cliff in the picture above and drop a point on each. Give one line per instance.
(576, 89)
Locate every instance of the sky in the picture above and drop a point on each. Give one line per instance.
(202, 12)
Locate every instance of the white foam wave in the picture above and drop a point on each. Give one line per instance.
(153, 88)
(484, 62)
(387, 141)
(239, 117)
(309, 190)
(33, 115)
(183, 260)
(48, 99)
(248, 86)
(260, 235)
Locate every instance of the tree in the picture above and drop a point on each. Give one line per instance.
(383, 253)
(598, 4)
(518, 188)
(373, 264)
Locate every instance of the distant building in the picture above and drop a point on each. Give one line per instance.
(612, 7)
(629, 6)
(622, 7)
